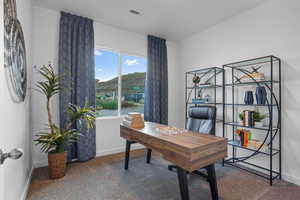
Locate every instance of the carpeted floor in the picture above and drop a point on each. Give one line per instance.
(103, 178)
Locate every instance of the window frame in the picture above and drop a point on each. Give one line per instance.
(120, 53)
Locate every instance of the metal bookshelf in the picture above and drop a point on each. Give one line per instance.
(270, 66)
(211, 79)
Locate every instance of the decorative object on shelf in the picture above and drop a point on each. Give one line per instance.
(259, 124)
(245, 136)
(253, 76)
(196, 79)
(134, 120)
(265, 121)
(261, 95)
(248, 99)
(258, 117)
(251, 118)
(198, 101)
(55, 140)
(15, 63)
(207, 98)
(200, 94)
(257, 144)
(248, 118)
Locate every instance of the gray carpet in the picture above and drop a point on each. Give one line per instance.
(104, 179)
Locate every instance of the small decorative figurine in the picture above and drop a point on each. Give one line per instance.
(196, 79)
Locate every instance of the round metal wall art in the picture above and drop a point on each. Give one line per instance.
(14, 53)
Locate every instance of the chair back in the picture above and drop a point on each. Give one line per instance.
(202, 119)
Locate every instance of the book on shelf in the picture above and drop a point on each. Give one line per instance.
(248, 119)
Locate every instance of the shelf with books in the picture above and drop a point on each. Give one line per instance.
(240, 124)
(265, 150)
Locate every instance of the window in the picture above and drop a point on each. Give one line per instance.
(120, 83)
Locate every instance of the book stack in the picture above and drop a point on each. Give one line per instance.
(245, 136)
(134, 120)
(198, 101)
(254, 76)
(248, 118)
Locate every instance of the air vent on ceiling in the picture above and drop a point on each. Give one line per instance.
(135, 12)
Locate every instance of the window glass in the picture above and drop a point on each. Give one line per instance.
(106, 77)
(133, 84)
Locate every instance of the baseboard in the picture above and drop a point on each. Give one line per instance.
(41, 163)
(44, 163)
(291, 179)
(27, 184)
(117, 150)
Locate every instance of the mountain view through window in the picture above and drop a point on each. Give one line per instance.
(116, 74)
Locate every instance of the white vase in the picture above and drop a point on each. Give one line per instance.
(259, 124)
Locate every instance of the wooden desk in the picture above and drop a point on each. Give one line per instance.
(188, 150)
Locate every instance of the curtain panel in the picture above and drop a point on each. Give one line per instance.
(156, 90)
(77, 65)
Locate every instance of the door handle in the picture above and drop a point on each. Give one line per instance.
(13, 154)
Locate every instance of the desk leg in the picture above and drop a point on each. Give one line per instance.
(212, 181)
(149, 151)
(183, 183)
(127, 154)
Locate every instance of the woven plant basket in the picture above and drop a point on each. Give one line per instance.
(57, 165)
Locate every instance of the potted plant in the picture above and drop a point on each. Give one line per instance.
(55, 139)
(257, 117)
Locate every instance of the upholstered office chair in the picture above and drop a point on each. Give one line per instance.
(202, 119)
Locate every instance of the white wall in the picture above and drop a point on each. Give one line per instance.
(45, 49)
(15, 118)
(271, 28)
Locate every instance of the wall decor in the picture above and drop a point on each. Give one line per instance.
(14, 53)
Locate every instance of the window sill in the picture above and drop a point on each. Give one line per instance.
(108, 118)
(113, 117)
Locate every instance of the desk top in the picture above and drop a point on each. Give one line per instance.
(188, 149)
(188, 140)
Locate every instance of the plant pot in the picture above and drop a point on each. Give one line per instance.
(259, 124)
(57, 163)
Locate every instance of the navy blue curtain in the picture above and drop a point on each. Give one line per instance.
(156, 91)
(77, 67)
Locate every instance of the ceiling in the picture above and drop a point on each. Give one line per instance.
(171, 19)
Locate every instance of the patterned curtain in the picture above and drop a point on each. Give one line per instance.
(76, 64)
(156, 92)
